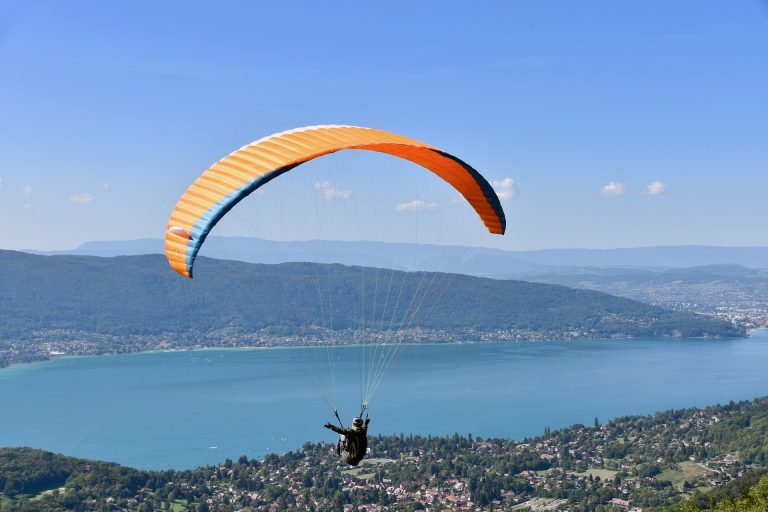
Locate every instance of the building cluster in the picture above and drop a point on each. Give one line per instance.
(621, 462)
(629, 464)
(52, 343)
(739, 303)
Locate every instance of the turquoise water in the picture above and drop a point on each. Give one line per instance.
(183, 409)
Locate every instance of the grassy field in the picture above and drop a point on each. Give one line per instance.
(364, 470)
(534, 504)
(602, 473)
(689, 471)
(47, 493)
(360, 473)
(176, 506)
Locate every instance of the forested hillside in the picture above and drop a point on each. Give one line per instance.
(141, 295)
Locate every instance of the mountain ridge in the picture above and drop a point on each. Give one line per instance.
(140, 295)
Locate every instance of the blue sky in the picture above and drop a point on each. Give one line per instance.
(619, 123)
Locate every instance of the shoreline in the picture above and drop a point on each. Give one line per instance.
(585, 477)
(464, 435)
(51, 359)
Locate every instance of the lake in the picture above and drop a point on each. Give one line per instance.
(183, 409)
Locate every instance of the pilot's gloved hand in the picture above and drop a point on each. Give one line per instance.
(328, 425)
(367, 421)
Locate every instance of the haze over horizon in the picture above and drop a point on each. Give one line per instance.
(159, 239)
(483, 261)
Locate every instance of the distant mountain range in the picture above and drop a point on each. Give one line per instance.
(141, 295)
(400, 256)
(465, 260)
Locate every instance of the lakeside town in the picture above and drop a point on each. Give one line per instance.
(54, 343)
(48, 344)
(632, 463)
(742, 301)
(629, 464)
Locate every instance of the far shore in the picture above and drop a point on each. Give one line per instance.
(51, 357)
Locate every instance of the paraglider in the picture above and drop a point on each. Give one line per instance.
(234, 177)
(353, 441)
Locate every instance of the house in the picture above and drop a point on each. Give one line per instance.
(620, 502)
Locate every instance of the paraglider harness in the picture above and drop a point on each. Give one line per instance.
(353, 441)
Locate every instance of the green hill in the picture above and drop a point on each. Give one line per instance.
(140, 295)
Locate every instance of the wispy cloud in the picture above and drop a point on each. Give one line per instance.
(26, 189)
(106, 186)
(613, 189)
(83, 198)
(27, 206)
(655, 188)
(1, 183)
(417, 205)
(505, 188)
(330, 192)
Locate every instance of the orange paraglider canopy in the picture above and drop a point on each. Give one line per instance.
(237, 175)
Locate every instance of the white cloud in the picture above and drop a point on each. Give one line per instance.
(27, 206)
(26, 189)
(1, 183)
(655, 188)
(417, 205)
(505, 188)
(613, 189)
(329, 192)
(83, 198)
(106, 186)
